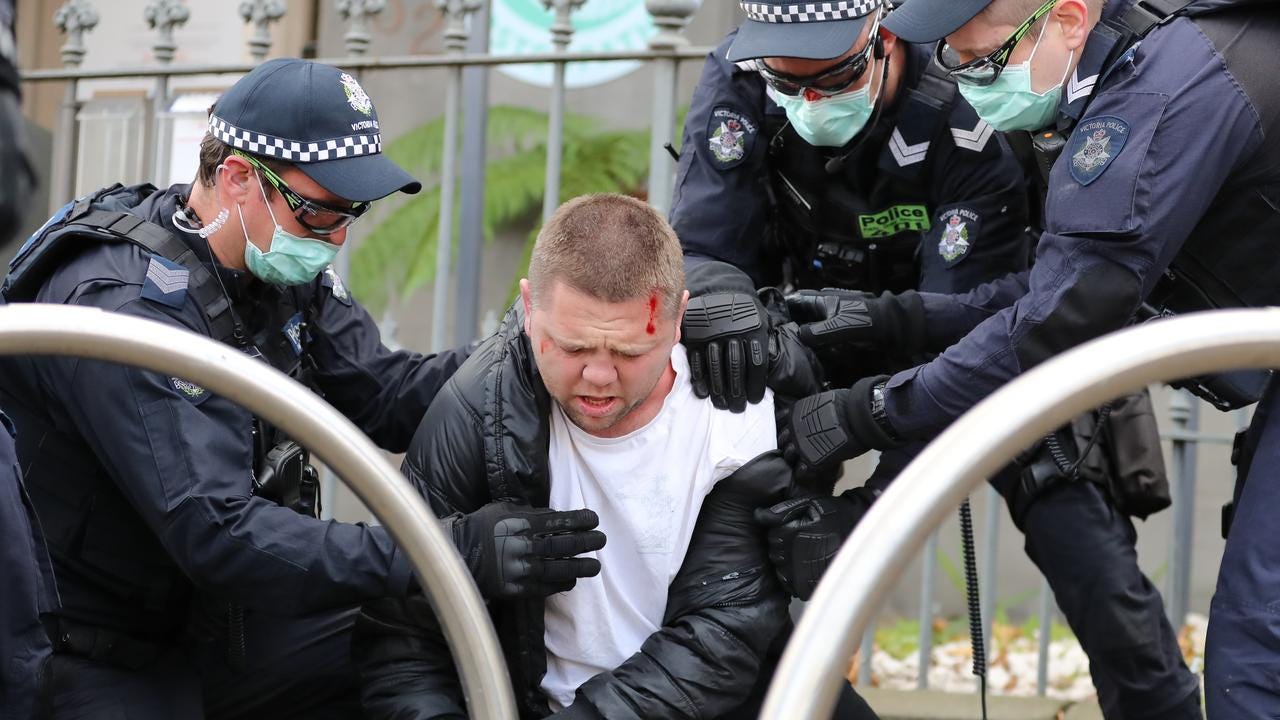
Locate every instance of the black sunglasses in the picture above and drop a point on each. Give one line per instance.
(985, 70)
(832, 81)
(319, 217)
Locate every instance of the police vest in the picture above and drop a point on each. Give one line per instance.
(844, 224)
(74, 497)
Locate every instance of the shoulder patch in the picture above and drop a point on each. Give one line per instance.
(166, 282)
(188, 390)
(331, 280)
(959, 231)
(1094, 144)
(730, 136)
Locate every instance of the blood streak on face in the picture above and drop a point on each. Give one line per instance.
(653, 313)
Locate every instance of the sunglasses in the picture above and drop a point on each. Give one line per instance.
(832, 81)
(318, 217)
(985, 70)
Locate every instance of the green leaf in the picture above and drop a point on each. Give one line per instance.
(399, 254)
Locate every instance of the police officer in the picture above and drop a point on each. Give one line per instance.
(906, 324)
(27, 589)
(1162, 110)
(162, 501)
(821, 151)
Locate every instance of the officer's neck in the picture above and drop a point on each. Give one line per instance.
(227, 243)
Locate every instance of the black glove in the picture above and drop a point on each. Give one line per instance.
(833, 426)
(840, 317)
(727, 337)
(806, 533)
(518, 551)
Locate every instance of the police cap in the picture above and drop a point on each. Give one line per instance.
(920, 21)
(808, 30)
(316, 117)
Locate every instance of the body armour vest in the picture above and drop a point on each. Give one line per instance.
(110, 569)
(845, 218)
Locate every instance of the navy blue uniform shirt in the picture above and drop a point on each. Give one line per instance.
(1166, 149)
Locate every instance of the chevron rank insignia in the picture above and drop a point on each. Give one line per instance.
(166, 282)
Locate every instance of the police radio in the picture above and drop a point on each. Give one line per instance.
(287, 478)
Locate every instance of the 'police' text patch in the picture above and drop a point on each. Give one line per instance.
(893, 220)
(1094, 144)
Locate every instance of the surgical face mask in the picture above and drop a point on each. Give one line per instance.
(291, 260)
(1009, 103)
(830, 121)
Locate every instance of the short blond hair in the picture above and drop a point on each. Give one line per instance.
(611, 247)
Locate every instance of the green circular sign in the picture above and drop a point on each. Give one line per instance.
(524, 27)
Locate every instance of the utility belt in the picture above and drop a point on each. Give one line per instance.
(1116, 447)
(110, 647)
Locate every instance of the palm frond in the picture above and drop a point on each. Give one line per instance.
(399, 255)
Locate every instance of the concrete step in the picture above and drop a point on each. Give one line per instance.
(934, 705)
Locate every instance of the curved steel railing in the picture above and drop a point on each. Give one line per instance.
(31, 329)
(971, 450)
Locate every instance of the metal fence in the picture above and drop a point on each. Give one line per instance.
(464, 48)
(465, 52)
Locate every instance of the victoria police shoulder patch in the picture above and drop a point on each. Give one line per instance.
(1094, 144)
(730, 137)
(959, 231)
(188, 390)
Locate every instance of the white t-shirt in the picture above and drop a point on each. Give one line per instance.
(647, 487)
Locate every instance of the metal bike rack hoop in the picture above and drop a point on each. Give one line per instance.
(977, 445)
(36, 329)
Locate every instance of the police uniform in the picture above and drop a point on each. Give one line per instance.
(148, 484)
(973, 194)
(1165, 190)
(930, 200)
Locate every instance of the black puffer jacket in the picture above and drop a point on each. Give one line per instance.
(486, 439)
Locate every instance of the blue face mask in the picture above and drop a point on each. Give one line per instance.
(831, 121)
(1009, 103)
(291, 260)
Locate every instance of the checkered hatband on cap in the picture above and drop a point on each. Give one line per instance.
(808, 12)
(292, 150)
